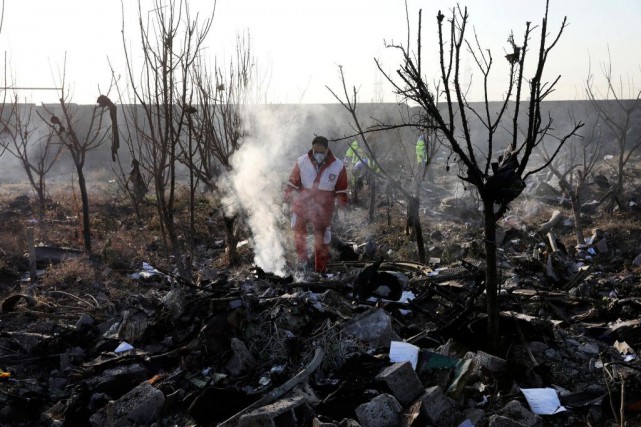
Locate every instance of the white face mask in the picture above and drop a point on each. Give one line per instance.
(320, 157)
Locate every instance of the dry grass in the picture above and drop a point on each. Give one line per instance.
(124, 249)
(122, 239)
(337, 345)
(70, 272)
(268, 340)
(13, 240)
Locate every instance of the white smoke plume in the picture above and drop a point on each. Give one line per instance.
(259, 175)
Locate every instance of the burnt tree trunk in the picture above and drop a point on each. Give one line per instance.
(231, 240)
(491, 274)
(372, 199)
(414, 226)
(84, 197)
(42, 202)
(355, 192)
(578, 222)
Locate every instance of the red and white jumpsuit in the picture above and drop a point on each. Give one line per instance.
(312, 191)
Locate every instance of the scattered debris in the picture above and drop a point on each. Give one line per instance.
(378, 341)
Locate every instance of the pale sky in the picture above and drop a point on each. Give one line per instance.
(298, 44)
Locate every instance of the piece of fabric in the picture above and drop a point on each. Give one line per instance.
(360, 168)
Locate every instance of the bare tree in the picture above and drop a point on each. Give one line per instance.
(162, 87)
(133, 180)
(434, 143)
(500, 180)
(350, 102)
(217, 128)
(573, 169)
(36, 152)
(619, 109)
(78, 136)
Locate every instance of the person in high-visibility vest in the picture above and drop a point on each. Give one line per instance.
(354, 153)
(421, 151)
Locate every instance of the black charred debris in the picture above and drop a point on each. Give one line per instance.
(377, 343)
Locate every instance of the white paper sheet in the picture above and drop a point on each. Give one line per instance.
(543, 401)
(124, 346)
(403, 352)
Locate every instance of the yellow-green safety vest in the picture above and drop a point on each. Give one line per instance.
(421, 150)
(351, 152)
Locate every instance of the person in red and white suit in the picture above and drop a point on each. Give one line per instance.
(317, 182)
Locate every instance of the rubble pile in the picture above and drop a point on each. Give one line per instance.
(378, 342)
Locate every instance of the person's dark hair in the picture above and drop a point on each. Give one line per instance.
(320, 140)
